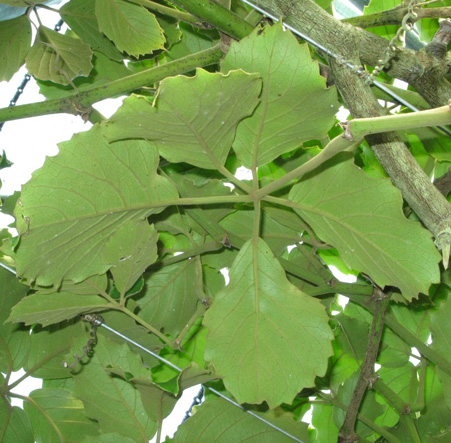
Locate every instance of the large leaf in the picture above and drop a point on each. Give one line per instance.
(113, 402)
(58, 57)
(295, 104)
(260, 329)
(90, 189)
(219, 421)
(131, 27)
(441, 329)
(48, 309)
(193, 119)
(15, 40)
(80, 16)
(65, 418)
(362, 217)
(129, 251)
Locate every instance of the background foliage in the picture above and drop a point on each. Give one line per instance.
(136, 218)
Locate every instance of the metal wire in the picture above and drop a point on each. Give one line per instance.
(356, 69)
(219, 394)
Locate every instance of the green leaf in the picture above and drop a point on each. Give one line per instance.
(90, 189)
(48, 309)
(58, 57)
(131, 27)
(14, 425)
(295, 104)
(48, 346)
(277, 235)
(115, 403)
(261, 327)
(129, 251)
(362, 217)
(322, 420)
(171, 296)
(14, 342)
(15, 41)
(110, 437)
(217, 420)
(193, 119)
(80, 16)
(65, 418)
(105, 71)
(441, 329)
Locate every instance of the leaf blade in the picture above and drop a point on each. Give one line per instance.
(258, 323)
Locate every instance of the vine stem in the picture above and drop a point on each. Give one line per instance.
(366, 378)
(94, 94)
(171, 12)
(199, 312)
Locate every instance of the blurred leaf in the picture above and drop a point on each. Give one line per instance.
(131, 27)
(14, 425)
(15, 42)
(64, 420)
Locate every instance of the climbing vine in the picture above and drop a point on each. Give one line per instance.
(137, 221)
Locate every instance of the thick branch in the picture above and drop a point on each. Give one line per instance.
(394, 16)
(81, 103)
(424, 198)
(366, 378)
(422, 70)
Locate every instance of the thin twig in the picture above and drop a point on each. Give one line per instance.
(366, 378)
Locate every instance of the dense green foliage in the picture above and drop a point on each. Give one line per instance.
(136, 218)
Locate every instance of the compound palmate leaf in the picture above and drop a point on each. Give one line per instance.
(362, 217)
(295, 104)
(90, 189)
(193, 119)
(261, 328)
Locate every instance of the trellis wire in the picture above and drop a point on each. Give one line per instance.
(97, 322)
(356, 69)
(214, 391)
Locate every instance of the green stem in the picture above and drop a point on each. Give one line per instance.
(357, 128)
(401, 408)
(199, 312)
(338, 144)
(72, 104)
(198, 250)
(340, 288)
(171, 12)
(218, 16)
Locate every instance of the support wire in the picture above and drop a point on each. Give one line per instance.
(358, 70)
